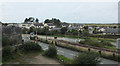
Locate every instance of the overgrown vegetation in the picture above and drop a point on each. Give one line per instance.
(86, 58)
(51, 51)
(7, 53)
(95, 43)
(30, 46)
(63, 59)
(7, 42)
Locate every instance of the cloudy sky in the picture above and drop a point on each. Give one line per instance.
(100, 11)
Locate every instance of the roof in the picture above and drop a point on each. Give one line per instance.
(78, 24)
(55, 29)
(109, 30)
(50, 24)
(70, 28)
(38, 24)
(66, 24)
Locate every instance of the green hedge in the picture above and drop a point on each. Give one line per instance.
(7, 53)
(30, 46)
(87, 58)
(101, 44)
(64, 59)
(51, 51)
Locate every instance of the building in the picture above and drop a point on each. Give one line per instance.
(65, 25)
(55, 29)
(111, 31)
(38, 25)
(76, 25)
(50, 25)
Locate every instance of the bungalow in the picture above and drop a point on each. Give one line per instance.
(77, 25)
(24, 26)
(111, 31)
(39, 25)
(101, 29)
(50, 25)
(65, 24)
(55, 29)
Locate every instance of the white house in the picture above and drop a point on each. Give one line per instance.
(50, 25)
(101, 29)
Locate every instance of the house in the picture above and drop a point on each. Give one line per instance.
(38, 25)
(65, 24)
(111, 31)
(50, 25)
(101, 29)
(24, 26)
(55, 29)
(77, 25)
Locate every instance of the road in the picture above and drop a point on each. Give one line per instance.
(67, 39)
(66, 52)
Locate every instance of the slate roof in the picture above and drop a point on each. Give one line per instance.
(55, 29)
(50, 24)
(38, 24)
(109, 30)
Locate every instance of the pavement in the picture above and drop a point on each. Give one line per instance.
(66, 52)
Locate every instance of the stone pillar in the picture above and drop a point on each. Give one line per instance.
(118, 43)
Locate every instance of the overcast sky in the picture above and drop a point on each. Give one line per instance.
(72, 12)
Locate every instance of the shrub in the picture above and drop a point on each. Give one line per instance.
(96, 43)
(7, 53)
(30, 46)
(51, 51)
(63, 59)
(86, 58)
(33, 38)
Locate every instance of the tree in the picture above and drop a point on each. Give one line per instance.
(95, 31)
(86, 27)
(85, 33)
(51, 51)
(31, 19)
(32, 29)
(63, 30)
(37, 20)
(47, 21)
(87, 58)
(56, 22)
(26, 20)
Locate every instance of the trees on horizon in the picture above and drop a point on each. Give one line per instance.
(31, 19)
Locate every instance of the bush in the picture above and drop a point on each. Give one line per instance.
(51, 51)
(33, 38)
(7, 53)
(86, 58)
(30, 46)
(101, 44)
(63, 59)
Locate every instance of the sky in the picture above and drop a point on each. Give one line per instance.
(72, 11)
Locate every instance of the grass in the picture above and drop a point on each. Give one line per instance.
(64, 59)
(74, 48)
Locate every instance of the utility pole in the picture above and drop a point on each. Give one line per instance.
(46, 33)
(36, 35)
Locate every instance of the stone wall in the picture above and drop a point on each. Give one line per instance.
(14, 33)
